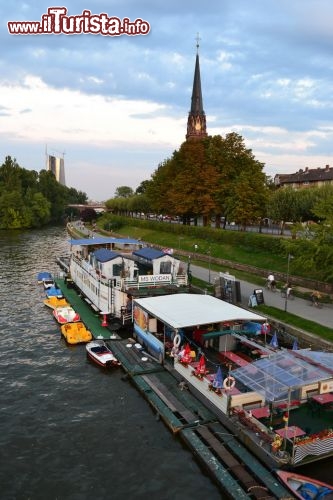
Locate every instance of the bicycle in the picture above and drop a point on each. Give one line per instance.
(270, 285)
(315, 303)
(315, 299)
(290, 294)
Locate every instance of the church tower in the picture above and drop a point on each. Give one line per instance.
(196, 122)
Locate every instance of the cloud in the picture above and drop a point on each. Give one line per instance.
(55, 114)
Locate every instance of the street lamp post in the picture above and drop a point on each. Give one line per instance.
(209, 262)
(287, 287)
(189, 272)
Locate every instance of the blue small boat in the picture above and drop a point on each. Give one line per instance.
(41, 277)
(54, 292)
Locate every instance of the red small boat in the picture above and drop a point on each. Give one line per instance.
(100, 353)
(305, 487)
(65, 314)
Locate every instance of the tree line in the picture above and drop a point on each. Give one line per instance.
(219, 178)
(29, 199)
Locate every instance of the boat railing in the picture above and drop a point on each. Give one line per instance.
(136, 283)
(127, 283)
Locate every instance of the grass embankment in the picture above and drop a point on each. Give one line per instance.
(243, 253)
(235, 253)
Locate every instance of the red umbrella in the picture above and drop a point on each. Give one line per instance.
(187, 349)
(202, 364)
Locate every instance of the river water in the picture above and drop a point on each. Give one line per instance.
(69, 430)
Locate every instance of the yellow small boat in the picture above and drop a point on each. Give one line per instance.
(76, 333)
(54, 302)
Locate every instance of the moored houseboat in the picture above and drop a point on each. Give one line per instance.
(109, 272)
(279, 402)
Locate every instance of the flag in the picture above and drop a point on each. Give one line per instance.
(218, 382)
(274, 342)
(295, 345)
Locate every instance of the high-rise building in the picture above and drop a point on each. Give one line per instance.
(196, 122)
(57, 166)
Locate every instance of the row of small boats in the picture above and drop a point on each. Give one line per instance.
(72, 328)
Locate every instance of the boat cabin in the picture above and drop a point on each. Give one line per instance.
(110, 271)
(203, 320)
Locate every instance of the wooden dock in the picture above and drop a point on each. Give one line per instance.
(233, 468)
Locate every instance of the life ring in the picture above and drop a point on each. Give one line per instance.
(177, 340)
(324, 387)
(229, 383)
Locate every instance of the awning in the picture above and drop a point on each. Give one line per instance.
(189, 310)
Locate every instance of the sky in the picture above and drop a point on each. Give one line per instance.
(115, 107)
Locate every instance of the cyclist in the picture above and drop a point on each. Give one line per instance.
(315, 297)
(271, 283)
(286, 290)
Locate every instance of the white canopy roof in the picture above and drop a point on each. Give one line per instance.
(186, 310)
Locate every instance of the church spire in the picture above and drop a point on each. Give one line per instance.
(196, 122)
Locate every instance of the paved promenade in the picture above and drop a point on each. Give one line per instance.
(297, 306)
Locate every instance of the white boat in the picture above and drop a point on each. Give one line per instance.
(49, 283)
(65, 315)
(100, 353)
(305, 487)
(46, 279)
(109, 272)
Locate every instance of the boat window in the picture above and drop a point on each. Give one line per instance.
(117, 268)
(165, 268)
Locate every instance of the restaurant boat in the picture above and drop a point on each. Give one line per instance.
(277, 401)
(109, 272)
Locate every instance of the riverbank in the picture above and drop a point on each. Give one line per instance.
(310, 325)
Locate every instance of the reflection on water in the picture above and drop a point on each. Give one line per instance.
(70, 430)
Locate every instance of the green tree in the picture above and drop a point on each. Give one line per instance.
(10, 176)
(208, 177)
(29, 199)
(39, 207)
(283, 206)
(313, 249)
(242, 188)
(76, 197)
(54, 192)
(141, 189)
(13, 213)
(158, 190)
(124, 192)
